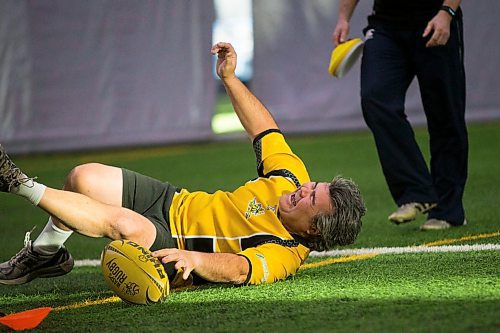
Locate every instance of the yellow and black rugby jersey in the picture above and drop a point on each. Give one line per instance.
(245, 221)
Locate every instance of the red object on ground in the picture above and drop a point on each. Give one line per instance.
(25, 320)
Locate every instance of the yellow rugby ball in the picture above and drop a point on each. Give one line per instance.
(133, 273)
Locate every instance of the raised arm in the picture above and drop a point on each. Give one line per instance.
(254, 117)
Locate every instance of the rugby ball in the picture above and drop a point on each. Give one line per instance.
(133, 273)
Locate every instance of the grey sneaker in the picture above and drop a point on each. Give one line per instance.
(408, 212)
(435, 224)
(27, 265)
(10, 174)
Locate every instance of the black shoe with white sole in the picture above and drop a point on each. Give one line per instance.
(27, 265)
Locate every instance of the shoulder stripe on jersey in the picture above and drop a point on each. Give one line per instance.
(257, 147)
(284, 173)
(259, 136)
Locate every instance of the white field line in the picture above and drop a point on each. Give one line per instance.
(407, 249)
(374, 250)
(88, 263)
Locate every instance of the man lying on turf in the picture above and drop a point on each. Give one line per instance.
(259, 233)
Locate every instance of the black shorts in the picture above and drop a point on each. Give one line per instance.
(152, 199)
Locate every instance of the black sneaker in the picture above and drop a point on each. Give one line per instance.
(10, 174)
(27, 265)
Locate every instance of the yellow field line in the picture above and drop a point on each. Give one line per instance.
(83, 304)
(337, 260)
(462, 239)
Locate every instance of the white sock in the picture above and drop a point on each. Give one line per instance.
(30, 190)
(51, 239)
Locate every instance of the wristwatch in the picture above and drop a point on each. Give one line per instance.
(449, 10)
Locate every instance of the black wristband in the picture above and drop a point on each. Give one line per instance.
(449, 10)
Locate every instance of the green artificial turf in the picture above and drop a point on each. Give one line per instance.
(427, 292)
(388, 293)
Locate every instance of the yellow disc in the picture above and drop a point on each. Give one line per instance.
(344, 56)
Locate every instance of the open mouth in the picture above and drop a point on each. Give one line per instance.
(292, 199)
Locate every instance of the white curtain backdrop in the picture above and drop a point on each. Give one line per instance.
(101, 73)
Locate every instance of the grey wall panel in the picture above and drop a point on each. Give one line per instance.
(104, 73)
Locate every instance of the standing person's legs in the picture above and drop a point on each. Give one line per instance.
(386, 73)
(441, 78)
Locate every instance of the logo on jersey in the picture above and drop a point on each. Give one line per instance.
(254, 208)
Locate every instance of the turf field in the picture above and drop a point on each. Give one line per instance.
(402, 282)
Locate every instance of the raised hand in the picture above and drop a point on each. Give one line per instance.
(226, 59)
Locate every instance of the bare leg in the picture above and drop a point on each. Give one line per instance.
(95, 209)
(95, 213)
(97, 181)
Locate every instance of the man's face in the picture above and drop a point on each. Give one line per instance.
(299, 207)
